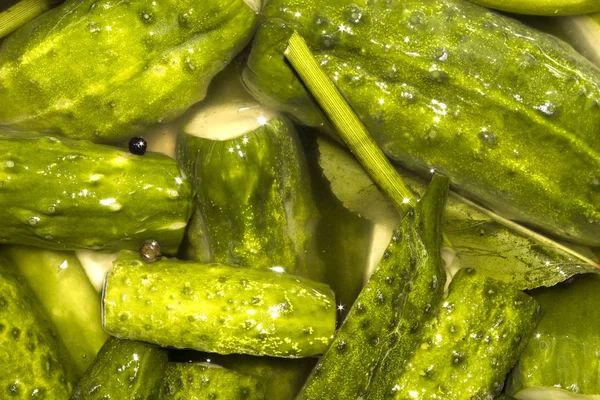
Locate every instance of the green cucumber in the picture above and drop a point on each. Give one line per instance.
(542, 7)
(102, 70)
(478, 240)
(470, 346)
(195, 381)
(564, 351)
(254, 203)
(399, 297)
(217, 308)
(123, 370)
(88, 196)
(66, 294)
(34, 362)
(450, 86)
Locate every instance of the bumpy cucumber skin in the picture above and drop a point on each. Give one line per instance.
(217, 308)
(399, 296)
(34, 362)
(103, 70)
(193, 381)
(451, 86)
(68, 297)
(123, 370)
(472, 343)
(550, 8)
(254, 199)
(563, 350)
(88, 196)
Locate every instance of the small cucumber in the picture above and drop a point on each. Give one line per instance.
(195, 381)
(34, 362)
(88, 196)
(472, 343)
(66, 294)
(103, 70)
(254, 204)
(563, 354)
(451, 86)
(123, 370)
(217, 308)
(542, 7)
(399, 296)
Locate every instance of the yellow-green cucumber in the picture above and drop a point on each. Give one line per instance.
(35, 362)
(67, 296)
(123, 370)
(254, 203)
(451, 86)
(472, 343)
(88, 196)
(217, 308)
(562, 357)
(205, 381)
(390, 310)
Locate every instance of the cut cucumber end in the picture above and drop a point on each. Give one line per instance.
(96, 265)
(228, 121)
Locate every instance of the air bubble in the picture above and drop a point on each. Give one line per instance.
(146, 17)
(437, 75)
(34, 220)
(9, 164)
(417, 18)
(94, 27)
(184, 19)
(190, 65)
(547, 108)
(488, 138)
(353, 14)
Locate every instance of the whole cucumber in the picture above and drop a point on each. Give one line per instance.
(472, 343)
(68, 297)
(123, 370)
(217, 308)
(195, 381)
(396, 301)
(102, 70)
(34, 362)
(88, 196)
(254, 204)
(450, 86)
(563, 355)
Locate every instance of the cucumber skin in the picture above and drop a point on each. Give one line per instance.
(146, 197)
(70, 301)
(217, 308)
(207, 382)
(450, 86)
(409, 277)
(123, 370)
(86, 69)
(563, 351)
(551, 8)
(34, 362)
(472, 343)
(254, 203)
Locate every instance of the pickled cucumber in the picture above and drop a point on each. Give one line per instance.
(217, 308)
(66, 194)
(123, 370)
(103, 70)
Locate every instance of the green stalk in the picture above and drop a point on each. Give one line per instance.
(21, 13)
(349, 127)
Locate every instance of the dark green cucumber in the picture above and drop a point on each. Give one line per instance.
(66, 294)
(254, 202)
(217, 308)
(478, 240)
(102, 70)
(195, 381)
(397, 299)
(34, 362)
(88, 196)
(451, 86)
(123, 370)
(472, 343)
(563, 354)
